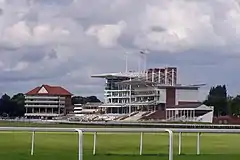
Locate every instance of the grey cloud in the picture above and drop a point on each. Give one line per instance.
(1, 11)
(33, 54)
(52, 54)
(55, 2)
(157, 29)
(125, 40)
(209, 43)
(4, 47)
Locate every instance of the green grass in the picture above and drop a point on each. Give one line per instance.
(63, 146)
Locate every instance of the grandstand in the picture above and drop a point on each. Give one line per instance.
(152, 95)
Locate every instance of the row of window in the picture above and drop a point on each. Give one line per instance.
(44, 110)
(45, 100)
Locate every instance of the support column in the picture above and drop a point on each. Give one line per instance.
(159, 76)
(173, 82)
(166, 114)
(165, 76)
(194, 114)
(130, 97)
(152, 75)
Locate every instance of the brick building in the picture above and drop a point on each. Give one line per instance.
(47, 102)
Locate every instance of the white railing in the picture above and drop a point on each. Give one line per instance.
(44, 97)
(80, 132)
(43, 105)
(42, 114)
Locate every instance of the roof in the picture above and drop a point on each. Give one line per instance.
(191, 105)
(177, 86)
(49, 90)
(188, 87)
(116, 75)
(195, 106)
(136, 81)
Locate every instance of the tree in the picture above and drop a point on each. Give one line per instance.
(12, 107)
(18, 102)
(234, 106)
(93, 99)
(4, 105)
(84, 100)
(217, 97)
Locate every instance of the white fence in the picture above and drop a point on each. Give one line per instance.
(129, 124)
(80, 132)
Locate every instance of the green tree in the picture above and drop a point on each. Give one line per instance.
(217, 97)
(84, 100)
(18, 101)
(4, 105)
(234, 106)
(12, 107)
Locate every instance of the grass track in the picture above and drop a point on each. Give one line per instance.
(63, 146)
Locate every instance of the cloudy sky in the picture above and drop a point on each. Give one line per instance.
(63, 42)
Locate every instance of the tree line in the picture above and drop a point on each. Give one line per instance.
(217, 97)
(222, 102)
(84, 100)
(12, 106)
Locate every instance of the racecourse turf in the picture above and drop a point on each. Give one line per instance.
(63, 146)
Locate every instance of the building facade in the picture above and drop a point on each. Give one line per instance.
(151, 90)
(88, 108)
(47, 102)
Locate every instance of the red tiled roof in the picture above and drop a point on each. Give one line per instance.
(52, 90)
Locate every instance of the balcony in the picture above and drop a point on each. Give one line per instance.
(144, 95)
(42, 106)
(44, 102)
(42, 114)
(44, 97)
(41, 97)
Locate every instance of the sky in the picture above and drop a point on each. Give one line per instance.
(64, 42)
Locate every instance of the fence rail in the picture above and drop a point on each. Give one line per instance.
(80, 132)
(130, 124)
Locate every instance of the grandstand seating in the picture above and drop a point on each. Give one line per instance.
(135, 117)
(157, 115)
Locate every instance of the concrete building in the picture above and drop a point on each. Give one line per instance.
(47, 102)
(153, 90)
(88, 108)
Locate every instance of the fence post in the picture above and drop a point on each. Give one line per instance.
(80, 144)
(94, 143)
(179, 143)
(141, 143)
(33, 140)
(170, 143)
(198, 143)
